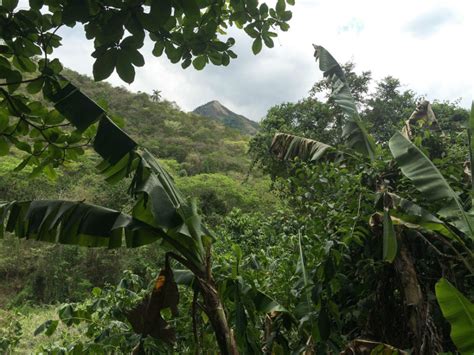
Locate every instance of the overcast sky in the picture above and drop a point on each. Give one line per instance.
(426, 44)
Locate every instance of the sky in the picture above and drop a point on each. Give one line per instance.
(425, 44)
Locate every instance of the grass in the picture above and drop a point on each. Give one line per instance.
(30, 318)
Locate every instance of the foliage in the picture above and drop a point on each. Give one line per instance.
(397, 246)
(459, 312)
(354, 132)
(10, 334)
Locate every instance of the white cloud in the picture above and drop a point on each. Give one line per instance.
(424, 43)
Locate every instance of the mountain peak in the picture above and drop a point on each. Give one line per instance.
(215, 110)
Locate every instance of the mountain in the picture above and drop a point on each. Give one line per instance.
(198, 144)
(219, 112)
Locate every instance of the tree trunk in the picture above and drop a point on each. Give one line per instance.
(424, 332)
(217, 317)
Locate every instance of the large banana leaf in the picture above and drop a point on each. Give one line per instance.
(459, 312)
(414, 216)
(159, 205)
(354, 132)
(70, 222)
(390, 245)
(416, 166)
(287, 147)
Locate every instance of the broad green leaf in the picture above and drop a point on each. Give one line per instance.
(459, 312)
(4, 146)
(389, 238)
(191, 9)
(199, 62)
(47, 327)
(413, 216)
(79, 109)
(257, 45)
(280, 7)
(10, 5)
(4, 119)
(35, 86)
(104, 65)
(354, 132)
(68, 222)
(111, 142)
(416, 166)
(324, 324)
(160, 10)
(287, 147)
(125, 68)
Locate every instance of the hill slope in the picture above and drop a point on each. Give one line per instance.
(215, 110)
(200, 144)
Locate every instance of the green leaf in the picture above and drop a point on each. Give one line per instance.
(160, 11)
(417, 167)
(10, 5)
(35, 86)
(410, 215)
(4, 146)
(257, 45)
(111, 142)
(79, 109)
(104, 65)
(125, 68)
(24, 64)
(199, 62)
(324, 324)
(136, 57)
(77, 223)
(280, 7)
(268, 41)
(36, 4)
(158, 49)
(47, 327)
(459, 312)
(287, 147)
(354, 132)
(389, 238)
(191, 9)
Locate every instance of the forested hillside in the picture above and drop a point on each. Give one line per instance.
(199, 144)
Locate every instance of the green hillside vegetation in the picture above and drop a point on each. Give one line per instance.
(199, 144)
(217, 111)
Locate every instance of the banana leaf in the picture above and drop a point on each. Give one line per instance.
(417, 167)
(459, 312)
(159, 205)
(287, 147)
(354, 132)
(414, 216)
(78, 223)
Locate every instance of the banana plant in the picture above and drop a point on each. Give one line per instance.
(391, 209)
(354, 132)
(160, 213)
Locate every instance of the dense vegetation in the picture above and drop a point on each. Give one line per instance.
(352, 231)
